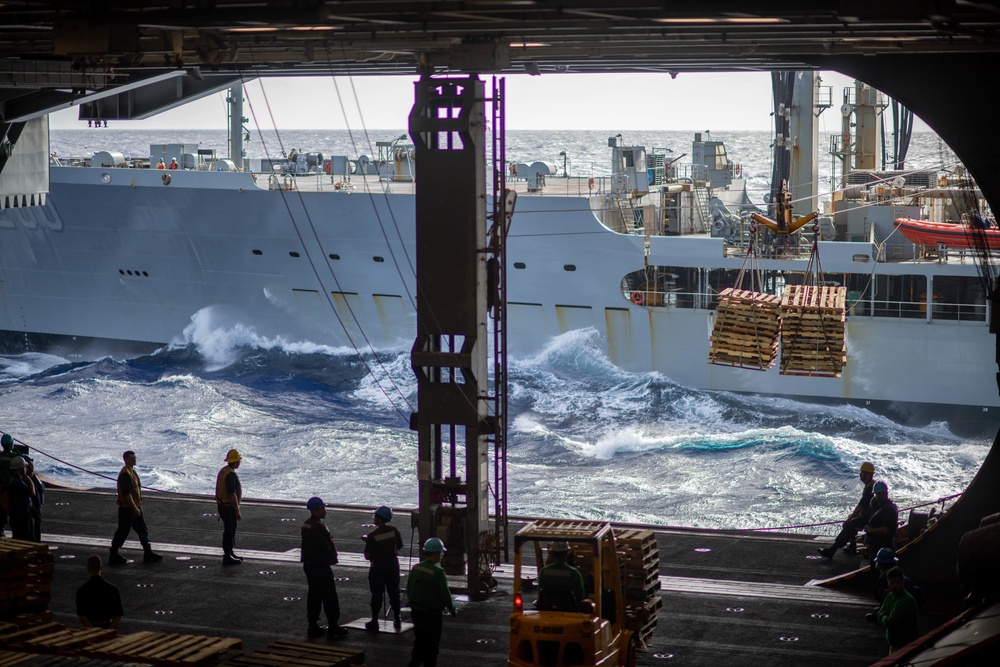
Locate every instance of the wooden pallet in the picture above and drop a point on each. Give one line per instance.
(746, 330)
(164, 648)
(288, 652)
(17, 639)
(25, 578)
(68, 640)
(813, 334)
(16, 658)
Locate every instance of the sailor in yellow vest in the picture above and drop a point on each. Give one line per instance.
(427, 589)
(228, 495)
(130, 515)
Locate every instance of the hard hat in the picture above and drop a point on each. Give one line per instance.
(233, 456)
(559, 547)
(885, 556)
(880, 487)
(384, 512)
(867, 466)
(16, 463)
(7, 440)
(315, 503)
(434, 546)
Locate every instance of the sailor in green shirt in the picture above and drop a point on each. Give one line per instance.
(427, 590)
(559, 579)
(898, 613)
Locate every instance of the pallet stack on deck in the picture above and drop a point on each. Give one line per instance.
(639, 557)
(813, 330)
(747, 325)
(25, 582)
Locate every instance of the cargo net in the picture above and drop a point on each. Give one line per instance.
(747, 322)
(813, 325)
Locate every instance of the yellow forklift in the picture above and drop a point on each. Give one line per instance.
(549, 631)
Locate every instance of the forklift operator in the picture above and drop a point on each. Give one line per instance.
(560, 585)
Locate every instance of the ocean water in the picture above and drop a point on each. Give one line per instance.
(587, 439)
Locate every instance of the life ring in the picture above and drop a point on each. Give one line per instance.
(638, 298)
(513, 169)
(327, 167)
(736, 171)
(590, 183)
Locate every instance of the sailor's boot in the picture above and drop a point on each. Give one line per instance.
(115, 558)
(148, 556)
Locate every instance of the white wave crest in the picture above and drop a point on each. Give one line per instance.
(218, 336)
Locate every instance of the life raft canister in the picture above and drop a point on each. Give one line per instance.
(638, 298)
(590, 183)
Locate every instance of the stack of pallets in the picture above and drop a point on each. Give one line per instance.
(813, 330)
(747, 325)
(287, 652)
(639, 557)
(25, 582)
(166, 649)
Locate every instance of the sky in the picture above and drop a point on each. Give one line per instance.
(716, 101)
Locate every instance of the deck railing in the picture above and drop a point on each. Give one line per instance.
(960, 312)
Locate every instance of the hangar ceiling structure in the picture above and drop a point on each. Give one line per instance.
(137, 58)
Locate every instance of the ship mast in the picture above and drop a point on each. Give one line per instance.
(236, 120)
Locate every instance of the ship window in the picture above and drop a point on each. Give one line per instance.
(258, 252)
(519, 265)
(145, 275)
(569, 267)
(129, 272)
(121, 271)
(293, 254)
(334, 256)
(376, 258)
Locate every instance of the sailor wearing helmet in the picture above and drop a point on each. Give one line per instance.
(228, 496)
(381, 548)
(858, 518)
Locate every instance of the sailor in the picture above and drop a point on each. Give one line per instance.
(382, 547)
(429, 595)
(560, 585)
(20, 491)
(173, 163)
(37, 500)
(160, 164)
(130, 514)
(881, 525)
(6, 455)
(898, 612)
(228, 496)
(98, 603)
(318, 553)
(857, 519)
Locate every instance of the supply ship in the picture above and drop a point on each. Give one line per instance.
(124, 258)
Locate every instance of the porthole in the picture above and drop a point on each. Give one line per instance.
(334, 256)
(121, 271)
(520, 265)
(129, 272)
(258, 252)
(378, 259)
(145, 275)
(293, 254)
(569, 267)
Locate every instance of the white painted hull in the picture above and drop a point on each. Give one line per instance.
(134, 260)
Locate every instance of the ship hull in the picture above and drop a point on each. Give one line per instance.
(117, 261)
